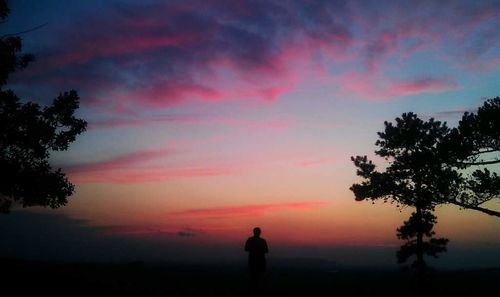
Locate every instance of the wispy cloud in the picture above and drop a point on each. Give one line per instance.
(132, 56)
(377, 87)
(148, 175)
(192, 120)
(247, 210)
(163, 54)
(140, 167)
(317, 162)
(423, 85)
(120, 162)
(452, 114)
(167, 230)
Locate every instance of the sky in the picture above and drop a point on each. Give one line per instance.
(208, 118)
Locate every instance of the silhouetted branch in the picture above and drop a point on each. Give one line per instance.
(496, 161)
(25, 31)
(485, 151)
(475, 207)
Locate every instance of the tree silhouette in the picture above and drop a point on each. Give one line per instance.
(29, 133)
(475, 143)
(428, 165)
(481, 133)
(410, 147)
(415, 241)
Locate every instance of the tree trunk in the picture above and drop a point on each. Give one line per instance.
(420, 264)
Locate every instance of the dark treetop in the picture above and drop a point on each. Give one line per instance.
(29, 133)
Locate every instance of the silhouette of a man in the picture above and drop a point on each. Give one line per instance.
(257, 249)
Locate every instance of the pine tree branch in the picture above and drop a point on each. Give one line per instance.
(496, 161)
(475, 207)
(25, 31)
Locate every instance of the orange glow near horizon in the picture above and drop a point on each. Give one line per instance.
(325, 222)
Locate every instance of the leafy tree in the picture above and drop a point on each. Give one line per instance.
(29, 133)
(410, 147)
(430, 164)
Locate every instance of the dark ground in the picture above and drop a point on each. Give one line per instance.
(29, 278)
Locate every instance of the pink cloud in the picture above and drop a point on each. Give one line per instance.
(120, 162)
(378, 87)
(459, 29)
(151, 166)
(478, 66)
(169, 93)
(138, 167)
(401, 40)
(166, 54)
(248, 210)
(167, 230)
(193, 120)
(92, 48)
(147, 175)
(318, 162)
(425, 85)
(149, 57)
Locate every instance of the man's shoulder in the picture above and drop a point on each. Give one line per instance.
(256, 239)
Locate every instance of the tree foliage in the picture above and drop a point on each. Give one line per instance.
(410, 147)
(478, 135)
(409, 231)
(433, 164)
(474, 149)
(29, 133)
(429, 164)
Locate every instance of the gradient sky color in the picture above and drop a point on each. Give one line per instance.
(207, 118)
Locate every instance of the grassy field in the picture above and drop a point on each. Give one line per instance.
(139, 279)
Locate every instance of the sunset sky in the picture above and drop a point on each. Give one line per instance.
(207, 118)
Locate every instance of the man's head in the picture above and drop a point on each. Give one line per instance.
(256, 231)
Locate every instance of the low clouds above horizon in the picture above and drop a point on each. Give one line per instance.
(247, 210)
(131, 57)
